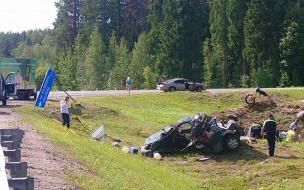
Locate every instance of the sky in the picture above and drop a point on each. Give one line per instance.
(23, 15)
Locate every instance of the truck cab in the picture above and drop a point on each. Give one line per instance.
(22, 75)
(7, 88)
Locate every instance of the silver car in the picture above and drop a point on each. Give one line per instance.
(180, 84)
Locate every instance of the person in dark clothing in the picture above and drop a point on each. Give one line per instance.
(261, 92)
(187, 86)
(270, 127)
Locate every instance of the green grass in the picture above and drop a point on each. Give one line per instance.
(131, 118)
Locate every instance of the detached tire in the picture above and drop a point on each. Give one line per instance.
(232, 142)
(250, 99)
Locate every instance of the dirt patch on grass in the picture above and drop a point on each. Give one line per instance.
(257, 113)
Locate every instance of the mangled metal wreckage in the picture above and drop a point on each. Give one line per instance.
(195, 132)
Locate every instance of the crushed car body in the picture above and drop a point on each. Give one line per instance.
(195, 132)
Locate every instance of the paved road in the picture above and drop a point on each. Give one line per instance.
(58, 94)
(97, 93)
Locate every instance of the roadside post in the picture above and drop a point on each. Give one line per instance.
(59, 85)
(45, 88)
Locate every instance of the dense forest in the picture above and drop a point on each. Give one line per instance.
(97, 44)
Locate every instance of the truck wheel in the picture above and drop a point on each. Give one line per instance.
(35, 96)
(26, 96)
(4, 100)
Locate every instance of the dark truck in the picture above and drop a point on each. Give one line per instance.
(22, 73)
(5, 89)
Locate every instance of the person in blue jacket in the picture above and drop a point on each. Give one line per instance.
(260, 92)
(128, 85)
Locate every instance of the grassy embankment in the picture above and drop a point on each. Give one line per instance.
(131, 118)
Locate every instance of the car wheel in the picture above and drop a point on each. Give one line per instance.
(172, 89)
(199, 88)
(146, 151)
(232, 142)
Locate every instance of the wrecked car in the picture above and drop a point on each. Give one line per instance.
(195, 132)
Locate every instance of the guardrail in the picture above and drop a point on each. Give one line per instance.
(3, 178)
(11, 139)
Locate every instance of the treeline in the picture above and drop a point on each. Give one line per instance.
(223, 43)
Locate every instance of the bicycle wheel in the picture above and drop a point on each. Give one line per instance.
(250, 99)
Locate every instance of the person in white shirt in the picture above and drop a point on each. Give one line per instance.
(64, 106)
(18, 79)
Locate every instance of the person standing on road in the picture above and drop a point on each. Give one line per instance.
(128, 85)
(64, 107)
(270, 127)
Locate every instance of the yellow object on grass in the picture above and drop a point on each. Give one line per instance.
(290, 136)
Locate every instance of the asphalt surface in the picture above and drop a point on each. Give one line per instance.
(58, 94)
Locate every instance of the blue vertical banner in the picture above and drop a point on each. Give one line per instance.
(45, 88)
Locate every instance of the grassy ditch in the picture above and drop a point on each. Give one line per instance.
(129, 119)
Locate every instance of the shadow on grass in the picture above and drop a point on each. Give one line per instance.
(262, 106)
(245, 152)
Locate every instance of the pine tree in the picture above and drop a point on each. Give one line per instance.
(95, 61)
(262, 31)
(141, 58)
(237, 66)
(219, 38)
(67, 22)
(122, 67)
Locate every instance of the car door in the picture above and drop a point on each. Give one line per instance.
(2, 86)
(179, 84)
(10, 84)
(182, 136)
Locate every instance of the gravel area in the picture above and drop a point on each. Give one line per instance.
(46, 162)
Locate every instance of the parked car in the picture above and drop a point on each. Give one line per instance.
(180, 84)
(195, 132)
